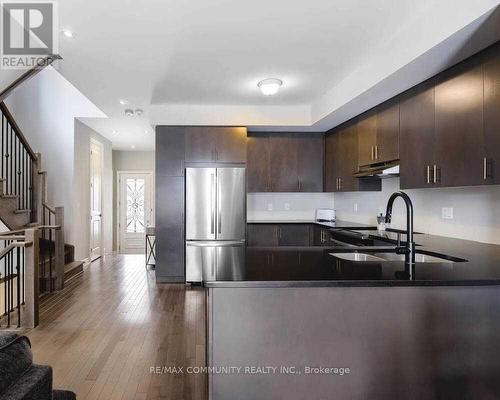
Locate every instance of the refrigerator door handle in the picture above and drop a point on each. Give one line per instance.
(219, 205)
(212, 204)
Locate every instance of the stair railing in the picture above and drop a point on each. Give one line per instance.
(19, 283)
(22, 177)
(18, 164)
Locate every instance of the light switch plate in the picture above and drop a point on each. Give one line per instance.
(355, 207)
(287, 206)
(269, 206)
(447, 213)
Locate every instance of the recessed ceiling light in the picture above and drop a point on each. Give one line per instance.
(129, 112)
(139, 112)
(270, 86)
(132, 147)
(123, 102)
(114, 132)
(68, 33)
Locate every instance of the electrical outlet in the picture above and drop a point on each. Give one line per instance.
(447, 213)
(269, 206)
(356, 207)
(287, 206)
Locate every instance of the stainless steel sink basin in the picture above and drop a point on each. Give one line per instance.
(381, 257)
(420, 258)
(358, 257)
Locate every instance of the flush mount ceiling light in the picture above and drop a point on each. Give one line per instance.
(123, 102)
(69, 34)
(139, 112)
(129, 112)
(270, 86)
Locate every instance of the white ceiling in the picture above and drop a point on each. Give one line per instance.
(198, 62)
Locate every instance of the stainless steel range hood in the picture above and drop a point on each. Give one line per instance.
(382, 170)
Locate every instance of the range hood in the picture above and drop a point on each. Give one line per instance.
(388, 169)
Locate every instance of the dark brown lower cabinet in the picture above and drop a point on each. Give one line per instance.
(321, 236)
(272, 235)
(262, 235)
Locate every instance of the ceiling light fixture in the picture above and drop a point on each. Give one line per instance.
(123, 102)
(69, 34)
(270, 86)
(132, 147)
(129, 112)
(139, 112)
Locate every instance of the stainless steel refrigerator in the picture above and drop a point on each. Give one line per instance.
(215, 222)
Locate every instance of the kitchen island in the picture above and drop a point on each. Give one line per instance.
(329, 327)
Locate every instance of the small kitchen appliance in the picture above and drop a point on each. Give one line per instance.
(325, 215)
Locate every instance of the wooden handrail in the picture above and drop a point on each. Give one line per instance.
(17, 130)
(29, 74)
(12, 246)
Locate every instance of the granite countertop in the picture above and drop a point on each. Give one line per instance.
(316, 266)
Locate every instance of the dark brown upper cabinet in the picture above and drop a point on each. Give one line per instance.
(331, 167)
(310, 158)
(258, 164)
(285, 163)
(387, 146)
(367, 139)
(491, 160)
(215, 145)
(341, 155)
(417, 137)
(459, 126)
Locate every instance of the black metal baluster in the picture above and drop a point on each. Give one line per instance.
(7, 160)
(7, 277)
(3, 127)
(16, 175)
(11, 168)
(18, 288)
(23, 271)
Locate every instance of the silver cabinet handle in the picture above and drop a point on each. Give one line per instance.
(428, 174)
(436, 176)
(212, 204)
(373, 153)
(219, 206)
(485, 168)
(376, 152)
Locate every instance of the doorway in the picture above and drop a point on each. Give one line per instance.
(96, 170)
(135, 210)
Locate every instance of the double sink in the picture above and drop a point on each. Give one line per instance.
(365, 237)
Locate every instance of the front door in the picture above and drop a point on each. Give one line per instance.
(135, 210)
(96, 166)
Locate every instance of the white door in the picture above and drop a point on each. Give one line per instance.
(96, 166)
(135, 210)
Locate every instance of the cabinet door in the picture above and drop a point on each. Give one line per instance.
(169, 158)
(200, 144)
(367, 139)
(258, 172)
(231, 144)
(321, 236)
(347, 156)
(310, 162)
(262, 235)
(293, 234)
(459, 127)
(491, 174)
(331, 169)
(387, 147)
(284, 165)
(417, 137)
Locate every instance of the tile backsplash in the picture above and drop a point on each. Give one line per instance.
(286, 206)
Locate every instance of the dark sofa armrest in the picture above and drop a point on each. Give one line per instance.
(35, 384)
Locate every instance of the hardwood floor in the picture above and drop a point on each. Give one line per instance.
(111, 325)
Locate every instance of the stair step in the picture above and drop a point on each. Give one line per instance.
(22, 211)
(9, 196)
(72, 269)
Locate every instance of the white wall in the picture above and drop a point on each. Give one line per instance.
(476, 210)
(128, 161)
(45, 107)
(81, 188)
(302, 206)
